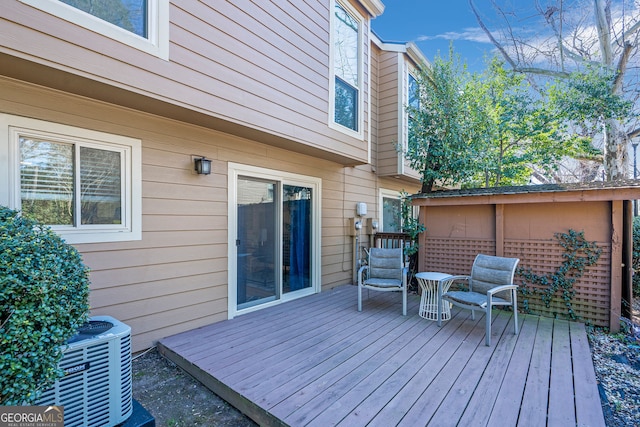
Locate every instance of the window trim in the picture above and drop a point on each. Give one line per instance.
(385, 194)
(359, 133)
(407, 99)
(11, 127)
(156, 44)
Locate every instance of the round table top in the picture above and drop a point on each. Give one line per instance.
(432, 275)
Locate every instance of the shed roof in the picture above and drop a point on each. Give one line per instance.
(571, 192)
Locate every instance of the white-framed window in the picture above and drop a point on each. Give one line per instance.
(345, 107)
(84, 184)
(390, 211)
(413, 103)
(413, 91)
(142, 24)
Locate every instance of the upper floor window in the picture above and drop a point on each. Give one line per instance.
(346, 68)
(81, 183)
(143, 24)
(392, 210)
(413, 98)
(130, 15)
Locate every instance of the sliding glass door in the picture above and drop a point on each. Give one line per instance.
(276, 239)
(256, 243)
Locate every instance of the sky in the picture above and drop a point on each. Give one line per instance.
(431, 25)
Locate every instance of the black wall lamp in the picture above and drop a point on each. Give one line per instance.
(202, 165)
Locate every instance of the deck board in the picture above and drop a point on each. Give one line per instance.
(506, 409)
(436, 376)
(561, 384)
(588, 405)
(479, 408)
(536, 391)
(317, 361)
(370, 396)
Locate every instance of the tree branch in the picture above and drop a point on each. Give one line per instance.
(622, 67)
(495, 42)
(542, 72)
(635, 27)
(603, 18)
(503, 51)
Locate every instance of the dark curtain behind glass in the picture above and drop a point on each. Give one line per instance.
(300, 244)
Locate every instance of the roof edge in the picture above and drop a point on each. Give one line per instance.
(609, 190)
(374, 7)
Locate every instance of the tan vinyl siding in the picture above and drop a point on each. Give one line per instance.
(389, 126)
(389, 87)
(375, 95)
(175, 278)
(260, 66)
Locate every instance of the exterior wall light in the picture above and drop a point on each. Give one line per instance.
(202, 166)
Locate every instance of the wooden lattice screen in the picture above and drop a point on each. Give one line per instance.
(524, 226)
(591, 303)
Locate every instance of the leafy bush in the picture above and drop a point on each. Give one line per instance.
(44, 288)
(636, 257)
(412, 227)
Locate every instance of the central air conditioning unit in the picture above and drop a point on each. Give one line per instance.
(96, 388)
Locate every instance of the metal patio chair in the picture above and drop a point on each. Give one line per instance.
(385, 272)
(490, 284)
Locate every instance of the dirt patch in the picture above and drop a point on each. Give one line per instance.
(176, 399)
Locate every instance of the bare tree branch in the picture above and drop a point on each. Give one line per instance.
(542, 72)
(603, 17)
(622, 67)
(635, 27)
(495, 42)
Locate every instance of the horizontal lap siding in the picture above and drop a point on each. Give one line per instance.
(388, 92)
(374, 89)
(175, 278)
(260, 64)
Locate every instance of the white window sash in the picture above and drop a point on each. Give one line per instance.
(359, 132)
(130, 228)
(156, 42)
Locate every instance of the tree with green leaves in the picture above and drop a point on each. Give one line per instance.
(590, 48)
(486, 129)
(587, 105)
(519, 130)
(442, 125)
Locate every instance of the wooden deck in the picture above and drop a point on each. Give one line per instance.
(317, 361)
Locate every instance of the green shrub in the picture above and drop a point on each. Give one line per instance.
(636, 257)
(44, 288)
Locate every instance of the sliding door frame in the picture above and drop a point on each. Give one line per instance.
(236, 170)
